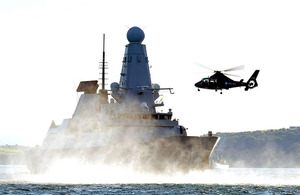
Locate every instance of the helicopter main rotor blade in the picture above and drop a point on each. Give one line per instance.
(235, 68)
(204, 66)
(231, 75)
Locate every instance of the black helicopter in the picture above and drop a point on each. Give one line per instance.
(219, 80)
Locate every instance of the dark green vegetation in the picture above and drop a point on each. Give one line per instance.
(12, 154)
(269, 149)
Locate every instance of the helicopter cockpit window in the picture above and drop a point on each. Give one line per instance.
(205, 80)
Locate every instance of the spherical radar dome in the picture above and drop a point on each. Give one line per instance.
(135, 35)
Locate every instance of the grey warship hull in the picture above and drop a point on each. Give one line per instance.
(122, 127)
(165, 155)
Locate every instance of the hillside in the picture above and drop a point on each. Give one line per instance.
(270, 148)
(12, 154)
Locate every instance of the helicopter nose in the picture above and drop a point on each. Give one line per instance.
(198, 84)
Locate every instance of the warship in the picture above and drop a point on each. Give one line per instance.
(122, 126)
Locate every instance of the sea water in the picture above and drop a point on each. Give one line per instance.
(93, 180)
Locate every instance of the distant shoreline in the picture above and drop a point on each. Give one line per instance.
(13, 154)
(279, 148)
(275, 148)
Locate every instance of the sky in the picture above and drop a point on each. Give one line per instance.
(48, 47)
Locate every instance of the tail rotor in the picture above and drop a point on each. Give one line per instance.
(251, 83)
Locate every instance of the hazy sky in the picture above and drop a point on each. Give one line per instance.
(48, 47)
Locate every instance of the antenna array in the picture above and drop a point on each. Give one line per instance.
(103, 66)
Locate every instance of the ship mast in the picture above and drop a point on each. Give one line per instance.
(103, 64)
(103, 93)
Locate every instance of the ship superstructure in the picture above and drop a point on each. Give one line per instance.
(121, 125)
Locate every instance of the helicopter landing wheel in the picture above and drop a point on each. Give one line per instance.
(198, 89)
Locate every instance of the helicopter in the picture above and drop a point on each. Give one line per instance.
(219, 80)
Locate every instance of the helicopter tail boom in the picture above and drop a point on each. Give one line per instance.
(251, 83)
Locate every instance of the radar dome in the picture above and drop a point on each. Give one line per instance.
(114, 86)
(135, 35)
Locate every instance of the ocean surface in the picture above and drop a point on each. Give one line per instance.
(117, 180)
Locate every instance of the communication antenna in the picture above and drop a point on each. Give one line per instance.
(103, 93)
(103, 66)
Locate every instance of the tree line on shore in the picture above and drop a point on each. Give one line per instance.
(278, 148)
(13, 154)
